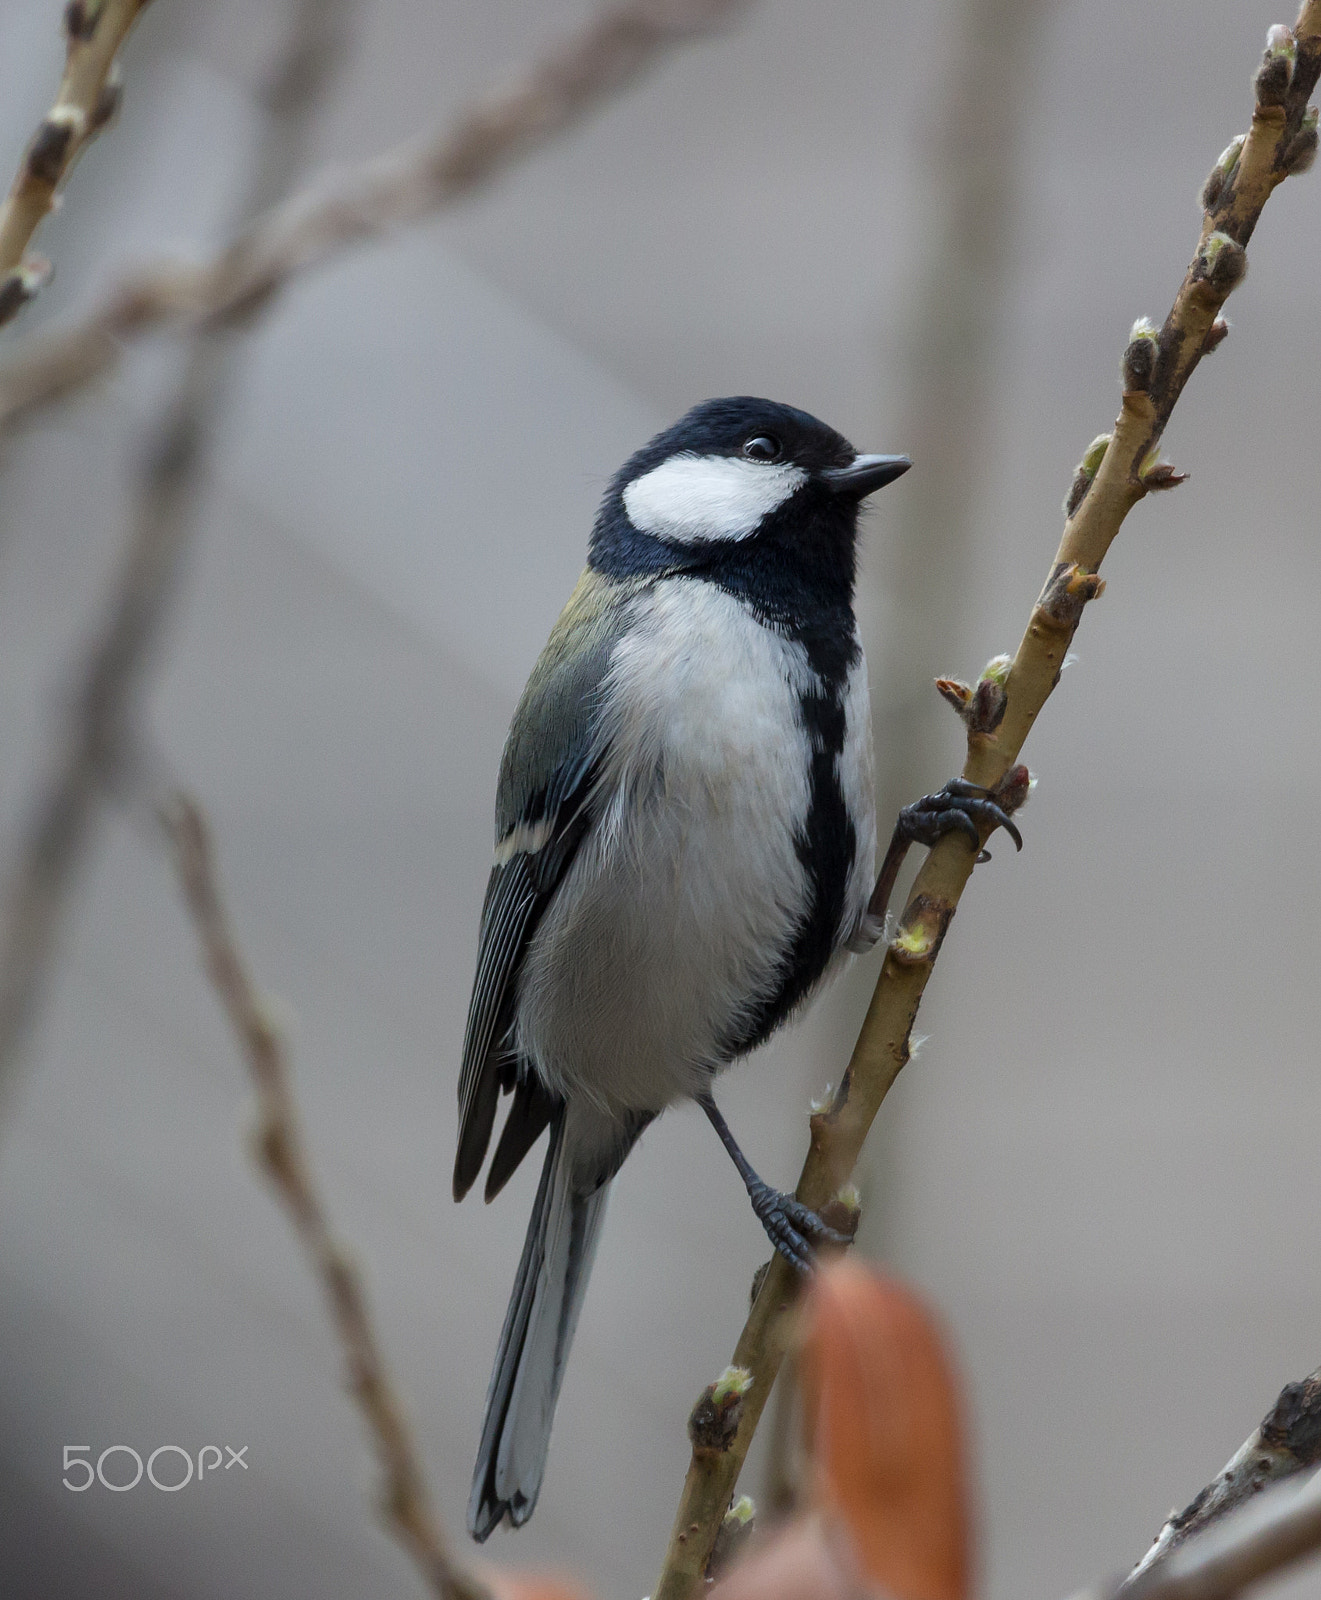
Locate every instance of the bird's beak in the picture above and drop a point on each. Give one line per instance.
(864, 475)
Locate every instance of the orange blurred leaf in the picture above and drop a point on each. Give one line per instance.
(506, 1585)
(808, 1560)
(883, 1428)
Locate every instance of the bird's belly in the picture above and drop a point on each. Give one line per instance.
(657, 946)
(673, 923)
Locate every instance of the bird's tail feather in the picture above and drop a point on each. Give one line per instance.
(529, 1364)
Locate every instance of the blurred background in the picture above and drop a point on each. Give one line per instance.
(931, 225)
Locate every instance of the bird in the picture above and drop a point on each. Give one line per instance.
(685, 844)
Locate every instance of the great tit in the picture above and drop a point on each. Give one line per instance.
(685, 850)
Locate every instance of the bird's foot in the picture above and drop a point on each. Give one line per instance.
(959, 807)
(795, 1230)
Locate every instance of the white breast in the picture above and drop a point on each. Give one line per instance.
(669, 925)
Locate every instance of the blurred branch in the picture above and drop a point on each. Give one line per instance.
(970, 162)
(97, 737)
(1000, 712)
(87, 99)
(969, 186)
(279, 1151)
(364, 202)
(1287, 1442)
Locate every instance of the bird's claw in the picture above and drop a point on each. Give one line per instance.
(959, 807)
(795, 1230)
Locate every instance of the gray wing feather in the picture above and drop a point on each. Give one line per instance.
(546, 779)
(510, 903)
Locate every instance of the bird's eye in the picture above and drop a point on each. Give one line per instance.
(763, 447)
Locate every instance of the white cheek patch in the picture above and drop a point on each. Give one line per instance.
(691, 498)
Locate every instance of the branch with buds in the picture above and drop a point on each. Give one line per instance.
(1287, 1443)
(412, 182)
(1258, 1541)
(1119, 469)
(87, 99)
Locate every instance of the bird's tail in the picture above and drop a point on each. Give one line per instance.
(529, 1364)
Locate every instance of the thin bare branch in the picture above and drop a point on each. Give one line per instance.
(278, 1148)
(87, 99)
(1287, 1443)
(1157, 365)
(363, 203)
(1257, 1541)
(98, 733)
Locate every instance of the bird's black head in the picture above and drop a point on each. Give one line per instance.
(757, 496)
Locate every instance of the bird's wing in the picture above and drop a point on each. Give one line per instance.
(543, 811)
(518, 891)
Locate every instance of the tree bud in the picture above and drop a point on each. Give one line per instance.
(1139, 361)
(1276, 71)
(1222, 262)
(1157, 474)
(844, 1211)
(1302, 151)
(79, 20)
(1216, 335)
(107, 102)
(716, 1416)
(1213, 190)
(51, 144)
(1069, 588)
(1013, 789)
(956, 692)
(1086, 471)
(20, 285)
(987, 710)
(732, 1537)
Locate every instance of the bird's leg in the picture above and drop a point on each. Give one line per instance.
(960, 807)
(793, 1228)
